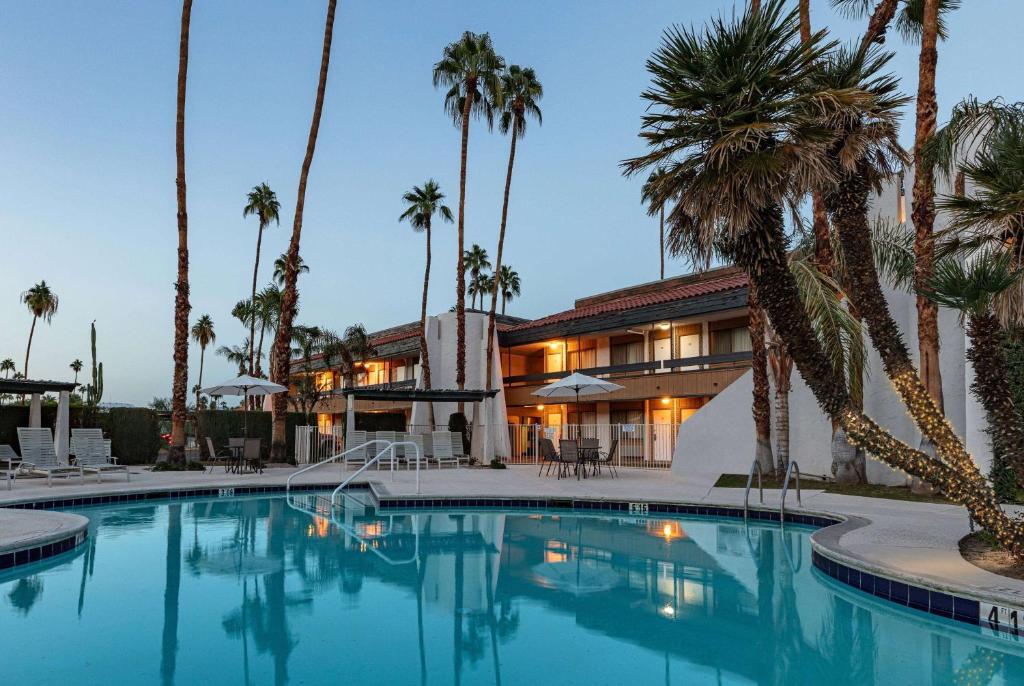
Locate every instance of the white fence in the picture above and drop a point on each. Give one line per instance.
(644, 446)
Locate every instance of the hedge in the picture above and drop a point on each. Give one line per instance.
(220, 425)
(14, 416)
(134, 434)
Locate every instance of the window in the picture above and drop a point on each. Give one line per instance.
(626, 416)
(732, 340)
(325, 381)
(629, 352)
(583, 359)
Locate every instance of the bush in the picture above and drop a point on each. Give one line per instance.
(13, 416)
(220, 425)
(380, 421)
(497, 464)
(457, 423)
(134, 434)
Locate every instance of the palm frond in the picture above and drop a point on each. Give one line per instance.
(892, 244)
(970, 287)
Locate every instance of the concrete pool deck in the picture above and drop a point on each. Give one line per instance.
(904, 540)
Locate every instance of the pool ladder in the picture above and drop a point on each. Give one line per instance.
(792, 468)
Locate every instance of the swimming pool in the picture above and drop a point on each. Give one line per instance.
(251, 590)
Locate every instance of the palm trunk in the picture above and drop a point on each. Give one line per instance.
(760, 251)
(879, 22)
(759, 369)
(281, 351)
(661, 240)
(202, 359)
(848, 205)
(924, 206)
(259, 352)
(28, 348)
(460, 268)
(252, 301)
(992, 389)
(181, 301)
(497, 259)
(782, 368)
(424, 351)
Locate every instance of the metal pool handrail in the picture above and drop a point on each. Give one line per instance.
(332, 458)
(389, 449)
(750, 480)
(793, 466)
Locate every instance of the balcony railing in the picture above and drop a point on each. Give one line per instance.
(699, 362)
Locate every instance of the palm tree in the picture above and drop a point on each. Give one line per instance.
(280, 265)
(646, 196)
(42, 302)
(521, 93)
(238, 354)
(422, 202)
(470, 69)
(204, 335)
(262, 202)
(268, 305)
(7, 366)
(482, 284)
(736, 112)
(357, 346)
(76, 366)
(176, 454)
(281, 350)
(507, 282)
(475, 260)
(760, 405)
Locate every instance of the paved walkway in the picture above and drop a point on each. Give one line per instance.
(899, 539)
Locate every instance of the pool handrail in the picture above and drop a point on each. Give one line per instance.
(389, 449)
(756, 466)
(332, 458)
(790, 468)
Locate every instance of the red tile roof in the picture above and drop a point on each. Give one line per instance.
(692, 289)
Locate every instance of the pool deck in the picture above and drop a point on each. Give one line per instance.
(904, 540)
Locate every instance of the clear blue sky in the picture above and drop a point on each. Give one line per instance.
(87, 162)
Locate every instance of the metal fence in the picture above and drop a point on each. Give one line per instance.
(646, 446)
(315, 445)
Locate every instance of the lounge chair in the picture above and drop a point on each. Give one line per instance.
(410, 453)
(443, 452)
(355, 439)
(223, 455)
(39, 456)
(10, 463)
(385, 459)
(77, 434)
(459, 447)
(608, 459)
(92, 457)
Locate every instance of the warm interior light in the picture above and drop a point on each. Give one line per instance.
(553, 345)
(668, 611)
(665, 401)
(664, 326)
(666, 531)
(540, 407)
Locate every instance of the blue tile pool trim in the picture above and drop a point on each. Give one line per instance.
(41, 552)
(919, 598)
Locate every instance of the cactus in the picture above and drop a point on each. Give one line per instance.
(95, 389)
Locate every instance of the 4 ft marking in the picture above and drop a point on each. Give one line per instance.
(1004, 621)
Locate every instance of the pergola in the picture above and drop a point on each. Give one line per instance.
(439, 395)
(36, 389)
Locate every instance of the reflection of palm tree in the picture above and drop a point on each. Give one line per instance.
(25, 593)
(88, 564)
(169, 644)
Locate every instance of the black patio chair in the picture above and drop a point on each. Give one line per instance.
(608, 458)
(548, 456)
(569, 454)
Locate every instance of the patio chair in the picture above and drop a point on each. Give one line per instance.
(223, 455)
(92, 457)
(589, 451)
(357, 440)
(97, 434)
(11, 464)
(569, 452)
(548, 456)
(443, 452)
(385, 459)
(251, 454)
(410, 454)
(608, 459)
(39, 456)
(459, 447)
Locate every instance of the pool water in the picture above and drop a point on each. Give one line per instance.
(256, 591)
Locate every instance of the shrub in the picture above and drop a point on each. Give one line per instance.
(220, 425)
(134, 434)
(457, 422)
(13, 416)
(380, 421)
(497, 464)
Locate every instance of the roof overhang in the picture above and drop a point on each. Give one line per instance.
(32, 386)
(417, 394)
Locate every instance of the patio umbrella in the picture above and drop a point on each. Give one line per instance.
(577, 384)
(245, 386)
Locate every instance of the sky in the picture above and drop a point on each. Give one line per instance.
(87, 158)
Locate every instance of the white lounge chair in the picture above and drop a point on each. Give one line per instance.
(10, 464)
(385, 459)
(97, 434)
(355, 439)
(92, 457)
(39, 456)
(443, 453)
(410, 453)
(458, 448)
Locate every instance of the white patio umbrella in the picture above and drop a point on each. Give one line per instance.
(245, 386)
(577, 384)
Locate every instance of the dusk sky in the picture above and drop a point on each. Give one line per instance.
(87, 162)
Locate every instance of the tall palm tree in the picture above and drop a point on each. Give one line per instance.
(760, 405)
(268, 305)
(42, 302)
(281, 351)
(421, 204)
(480, 285)
(182, 307)
(508, 284)
(356, 347)
(476, 261)
(237, 354)
(730, 108)
(204, 335)
(76, 366)
(647, 197)
(280, 264)
(7, 366)
(262, 202)
(522, 92)
(470, 69)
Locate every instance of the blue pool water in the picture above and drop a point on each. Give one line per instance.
(254, 591)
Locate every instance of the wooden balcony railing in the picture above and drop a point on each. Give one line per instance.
(700, 362)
